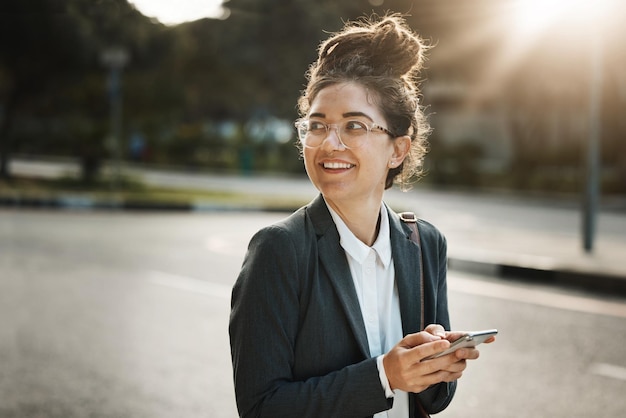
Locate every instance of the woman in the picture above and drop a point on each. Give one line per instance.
(326, 313)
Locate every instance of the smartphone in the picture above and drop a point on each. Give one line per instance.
(470, 339)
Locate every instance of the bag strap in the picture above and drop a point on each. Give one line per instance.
(410, 219)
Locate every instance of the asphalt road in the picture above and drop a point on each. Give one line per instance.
(118, 314)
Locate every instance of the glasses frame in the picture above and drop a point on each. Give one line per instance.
(370, 127)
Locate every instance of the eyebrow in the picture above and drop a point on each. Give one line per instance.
(345, 115)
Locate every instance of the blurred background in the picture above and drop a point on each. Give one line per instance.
(143, 142)
(508, 85)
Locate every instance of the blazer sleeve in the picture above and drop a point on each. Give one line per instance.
(263, 329)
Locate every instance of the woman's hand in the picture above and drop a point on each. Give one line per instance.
(405, 369)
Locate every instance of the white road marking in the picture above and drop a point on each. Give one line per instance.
(190, 284)
(458, 283)
(608, 370)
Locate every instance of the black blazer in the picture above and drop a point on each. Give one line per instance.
(298, 341)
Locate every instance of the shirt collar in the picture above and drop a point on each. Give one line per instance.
(356, 248)
(382, 245)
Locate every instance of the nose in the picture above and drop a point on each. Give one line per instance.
(333, 140)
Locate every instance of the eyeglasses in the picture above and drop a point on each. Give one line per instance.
(351, 133)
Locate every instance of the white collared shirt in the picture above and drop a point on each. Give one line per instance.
(373, 274)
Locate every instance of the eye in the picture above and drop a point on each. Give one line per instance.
(355, 127)
(316, 127)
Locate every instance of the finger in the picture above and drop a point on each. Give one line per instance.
(440, 376)
(429, 349)
(467, 353)
(436, 329)
(451, 376)
(454, 335)
(490, 340)
(413, 340)
(457, 367)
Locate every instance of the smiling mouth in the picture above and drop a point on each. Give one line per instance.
(337, 166)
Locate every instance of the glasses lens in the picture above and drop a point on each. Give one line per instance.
(353, 133)
(311, 133)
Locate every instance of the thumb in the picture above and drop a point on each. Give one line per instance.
(436, 329)
(419, 338)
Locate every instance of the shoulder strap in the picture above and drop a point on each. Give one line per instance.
(410, 219)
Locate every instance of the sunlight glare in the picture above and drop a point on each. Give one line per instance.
(171, 12)
(532, 16)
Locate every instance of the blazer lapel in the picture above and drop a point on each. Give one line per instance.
(335, 265)
(407, 269)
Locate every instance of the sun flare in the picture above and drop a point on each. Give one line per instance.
(174, 12)
(533, 16)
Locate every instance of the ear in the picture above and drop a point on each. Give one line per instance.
(401, 148)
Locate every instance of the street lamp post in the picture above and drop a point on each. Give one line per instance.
(592, 189)
(115, 59)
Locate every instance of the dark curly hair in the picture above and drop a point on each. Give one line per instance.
(384, 56)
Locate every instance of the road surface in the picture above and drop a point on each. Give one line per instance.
(125, 314)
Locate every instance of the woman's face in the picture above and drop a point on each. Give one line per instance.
(353, 176)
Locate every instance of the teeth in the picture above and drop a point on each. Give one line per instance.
(337, 165)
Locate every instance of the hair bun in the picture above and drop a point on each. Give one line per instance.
(385, 48)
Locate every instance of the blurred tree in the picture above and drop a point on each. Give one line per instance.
(37, 45)
(48, 52)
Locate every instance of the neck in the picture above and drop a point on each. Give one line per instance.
(362, 220)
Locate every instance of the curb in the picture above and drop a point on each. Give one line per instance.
(79, 202)
(590, 281)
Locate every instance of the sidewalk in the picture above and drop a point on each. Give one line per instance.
(510, 236)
